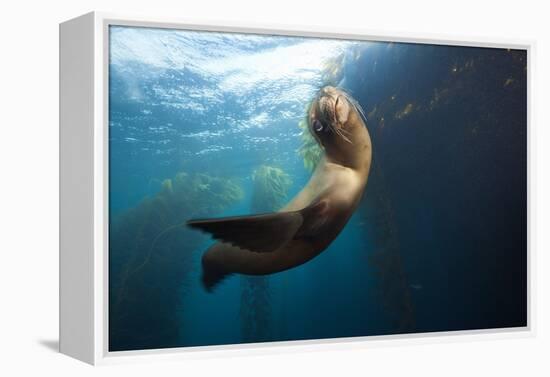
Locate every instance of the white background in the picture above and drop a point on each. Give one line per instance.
(29, 185)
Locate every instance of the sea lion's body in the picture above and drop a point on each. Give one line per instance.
(265, 244)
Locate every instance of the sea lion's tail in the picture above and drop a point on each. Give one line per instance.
(212, 275)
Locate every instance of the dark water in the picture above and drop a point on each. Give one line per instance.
(206, 124)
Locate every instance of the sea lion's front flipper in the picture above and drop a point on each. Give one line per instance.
(259, 233)
(267, 232)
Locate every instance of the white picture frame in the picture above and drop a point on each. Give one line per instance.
(84, 189)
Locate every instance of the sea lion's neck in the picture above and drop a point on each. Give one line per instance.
(356, 155)
(359, 165)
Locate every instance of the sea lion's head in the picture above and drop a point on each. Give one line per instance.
(335, 120)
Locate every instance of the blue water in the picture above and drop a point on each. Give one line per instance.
(437, 244)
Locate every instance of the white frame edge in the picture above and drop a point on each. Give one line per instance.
(76, 239)
(98, 341)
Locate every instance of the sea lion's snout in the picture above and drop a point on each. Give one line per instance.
(330, 112)
(333, 106)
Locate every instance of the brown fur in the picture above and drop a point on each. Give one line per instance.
(339, 181)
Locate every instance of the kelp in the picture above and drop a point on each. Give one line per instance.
(271, 186)
(151, 259)
(256, 311)
(333, 70)
(392, 286)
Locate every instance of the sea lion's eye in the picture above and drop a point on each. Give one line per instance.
(317, 125)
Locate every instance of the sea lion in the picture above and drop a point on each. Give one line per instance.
(273, 242)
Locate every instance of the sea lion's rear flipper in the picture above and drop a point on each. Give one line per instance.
(267, 232)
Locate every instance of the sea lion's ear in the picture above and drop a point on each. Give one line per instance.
(258, 233)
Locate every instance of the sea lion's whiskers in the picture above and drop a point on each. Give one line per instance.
(357, 106)
(345, 131)
(340, 132)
